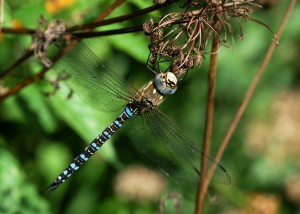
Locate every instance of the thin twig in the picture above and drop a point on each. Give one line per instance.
(16, 64)
(108, 32)
(249, 92)
(120, 18)
(21, 31)
(24, 83)
(105, 13)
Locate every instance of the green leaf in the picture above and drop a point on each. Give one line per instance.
(16, 195)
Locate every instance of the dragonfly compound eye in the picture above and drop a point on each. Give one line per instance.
(166, 83)
(171, 80)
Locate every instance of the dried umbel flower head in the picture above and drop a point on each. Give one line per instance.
(148, 26)
(44, 36)
(177, 45)
(181, 38)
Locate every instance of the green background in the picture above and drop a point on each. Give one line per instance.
(41, 135)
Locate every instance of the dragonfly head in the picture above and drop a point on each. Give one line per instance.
(166, 83)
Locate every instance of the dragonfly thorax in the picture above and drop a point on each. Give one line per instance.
(146, 99)
(141, 106)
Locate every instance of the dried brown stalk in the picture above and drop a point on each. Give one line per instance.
(209, 115)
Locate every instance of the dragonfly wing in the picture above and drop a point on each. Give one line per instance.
(92, 80)
(158, 138)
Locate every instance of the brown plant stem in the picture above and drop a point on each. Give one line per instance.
(209, 116)
(16, 64)
(22, 31)
(39, 75)
(249, 94)
(108, 10)
(108, 32)
(121, 18)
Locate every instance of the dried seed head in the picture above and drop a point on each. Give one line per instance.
(148, 27)
(198, 59)
(173, 50)
(153, 59)
(176, 70)
(240, 13)
(158, 34)
(44, 36)
(181, 38)
(189, 62)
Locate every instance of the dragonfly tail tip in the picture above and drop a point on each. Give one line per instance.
(51, 187)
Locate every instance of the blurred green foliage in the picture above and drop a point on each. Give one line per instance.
(41, 135)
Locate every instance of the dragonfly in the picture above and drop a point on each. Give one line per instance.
(152, 132)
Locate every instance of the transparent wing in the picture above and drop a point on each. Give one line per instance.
(92, 80)
(157, 137)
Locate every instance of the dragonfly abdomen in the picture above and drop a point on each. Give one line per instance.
(92, 148)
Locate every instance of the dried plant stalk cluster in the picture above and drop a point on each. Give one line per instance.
(181, 38)
(45, 34)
